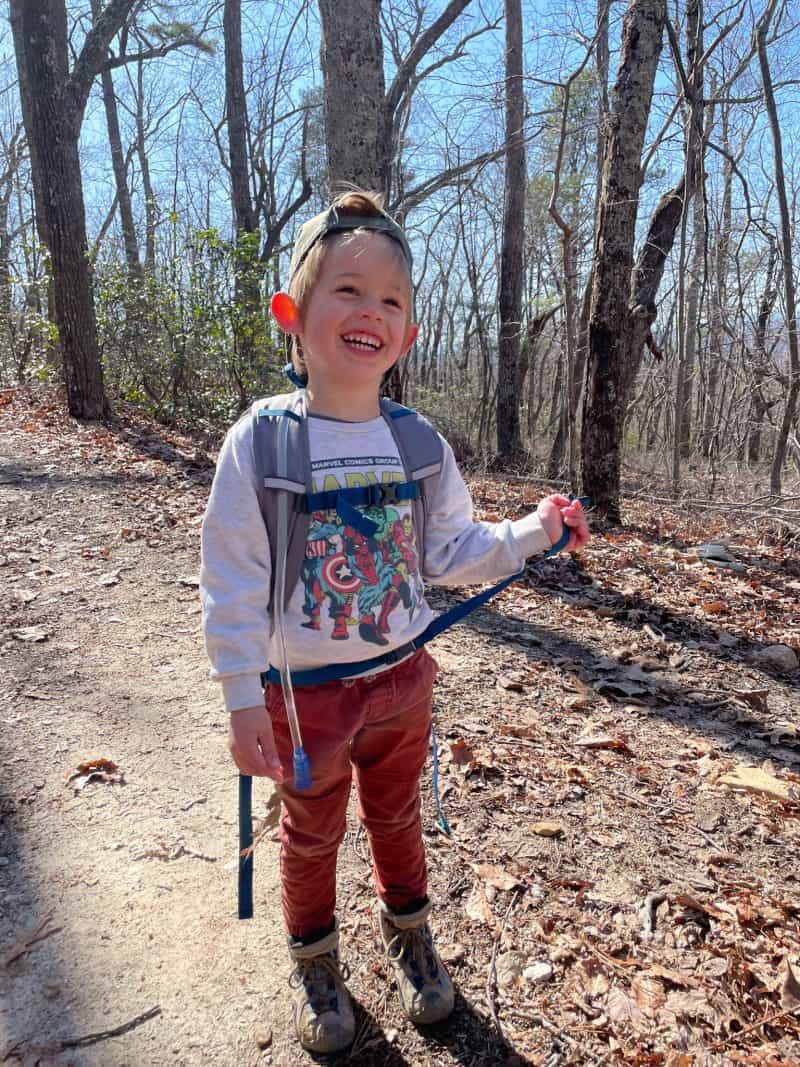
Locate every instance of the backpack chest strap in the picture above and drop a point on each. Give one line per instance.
(345, 501)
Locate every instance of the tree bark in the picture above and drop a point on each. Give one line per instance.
(511, 260)
(150, 206)
(695, 156)
(53, 108)
(248, 301)
(120, 169)
(619, 322)
(776, 474)
(351, 56)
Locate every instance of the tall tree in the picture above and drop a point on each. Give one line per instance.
(363, 120)
(511, 259)
(793, 389)
(53, 104)
(615, 334)
(244, 220)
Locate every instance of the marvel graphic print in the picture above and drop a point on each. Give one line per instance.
(353, 583)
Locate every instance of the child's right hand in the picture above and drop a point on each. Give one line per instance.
(252, 745)
(555, 512)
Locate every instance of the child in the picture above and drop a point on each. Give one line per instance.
(360, 596)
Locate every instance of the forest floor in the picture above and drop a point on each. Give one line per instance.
(620, 768)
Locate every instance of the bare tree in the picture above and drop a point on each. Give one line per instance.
(53, 103)
(511, 258)
(776, 474)
(615, 335)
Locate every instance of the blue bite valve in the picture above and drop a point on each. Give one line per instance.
(302, 770)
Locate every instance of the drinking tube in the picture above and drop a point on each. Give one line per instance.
(302, 769)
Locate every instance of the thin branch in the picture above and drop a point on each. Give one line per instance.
(92, 55)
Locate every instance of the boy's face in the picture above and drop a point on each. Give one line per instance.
(356, 322)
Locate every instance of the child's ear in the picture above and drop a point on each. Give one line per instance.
(410, 338)
(285, 312)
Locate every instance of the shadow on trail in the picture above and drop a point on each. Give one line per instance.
(633, 611)
(468, 1038)
(30, 925)
(729, 723)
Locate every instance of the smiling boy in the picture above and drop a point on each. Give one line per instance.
(359, 600)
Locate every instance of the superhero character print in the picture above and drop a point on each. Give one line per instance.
(363, 580)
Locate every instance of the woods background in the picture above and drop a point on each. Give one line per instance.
(601, 200)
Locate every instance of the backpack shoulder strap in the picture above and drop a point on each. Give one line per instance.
(282, 463)
(422, 454)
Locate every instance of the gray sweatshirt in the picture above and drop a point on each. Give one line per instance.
(357, 597)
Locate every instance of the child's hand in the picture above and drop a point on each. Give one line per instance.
(252, 745)
(557, 511)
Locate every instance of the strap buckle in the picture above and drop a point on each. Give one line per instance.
(382, 493)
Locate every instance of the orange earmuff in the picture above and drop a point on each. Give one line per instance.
(285, 312)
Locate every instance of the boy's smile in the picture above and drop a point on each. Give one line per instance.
(356, 322)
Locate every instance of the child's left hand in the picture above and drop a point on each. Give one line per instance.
(557, 511)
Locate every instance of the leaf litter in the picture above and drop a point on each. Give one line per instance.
(627, 646)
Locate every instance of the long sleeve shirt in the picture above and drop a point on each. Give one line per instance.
(357, 596)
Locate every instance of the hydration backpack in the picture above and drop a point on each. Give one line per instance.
(283, 462)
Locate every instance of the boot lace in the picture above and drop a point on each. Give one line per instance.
(320, 977)
(413, 947)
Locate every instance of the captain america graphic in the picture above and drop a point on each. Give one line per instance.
(363, 579)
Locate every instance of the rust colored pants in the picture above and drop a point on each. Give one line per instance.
(379, 727)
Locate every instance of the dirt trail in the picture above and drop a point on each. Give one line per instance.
(133, 885)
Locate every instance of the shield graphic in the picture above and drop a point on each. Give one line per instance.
(337, 574)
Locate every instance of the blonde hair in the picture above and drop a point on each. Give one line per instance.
(354, 201)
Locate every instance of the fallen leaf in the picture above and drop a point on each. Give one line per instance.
(788, 985)
(614, 688)
(614, 744)
(593, 979)
(622, 1008)
(686, 900)
(478, 907)
(754, 780)
(673, 977)
(30, 633)
(94, 770)
(546, 829)
(578, 775)
(495, 876)
(648, 993)
(24, 596)
(715, 607)
(755, 698)
(461, 753)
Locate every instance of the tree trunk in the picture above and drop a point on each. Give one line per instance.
(719, 301)
(248, 302)
(511, 260)
(759, 403)
(351, 56)
(54, 103)
(150, 207)
(120, 169)
(776, 473)
(695, 153)
(619, 322)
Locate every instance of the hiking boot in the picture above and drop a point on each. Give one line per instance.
(323, 1014)
(422, 980)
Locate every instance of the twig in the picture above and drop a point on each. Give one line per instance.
(541, 1020)
(749, 1029)
(27, 941)
(491, 978)
(104, 1035)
